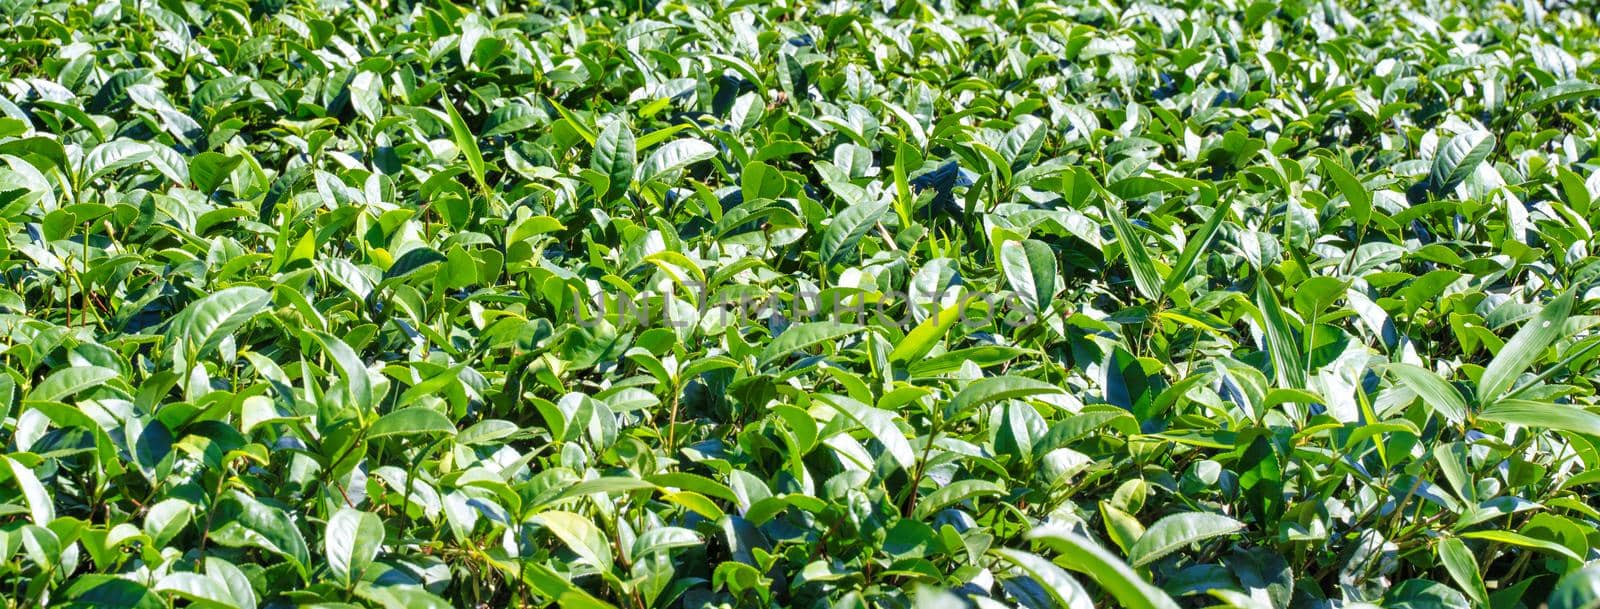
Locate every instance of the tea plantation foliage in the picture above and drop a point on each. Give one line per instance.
(799, 303)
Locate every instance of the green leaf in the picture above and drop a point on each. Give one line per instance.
(921, 339)
(1423, 594)
(1030, 268)
(1355, 193)
(1458, 158)
(100, 591)
(401, 597)
(1524, 348)
(1463, 568)
(202, 326)
(513, 117)
(1145, 276)
(1518, 539)
(579, 534)
(1177, 531)
(460, 269)
(615, 156)
(67, 382)
(609, 485)
(352, 540)
(1454, 464)
(1579, 589)
(847, 228)
(1196, 245)
(953, 493)
(41, 506)
(1020, 427)
(1575, 189)
(42, 147)
(1287, 365)
(983, 357)
(534, 226)
(243, 520)
(111, 156)
(695, 502)
(991, 389)
(416, 420)
(209, 169)
(366, 92)
(467, 144)
(674, 155)
(583, 129)
(1115, 576)
(1438, 394)
(880, 423)
(412, 261)
(1543, 414)
(803, 335)
(1560, 92)
(1121, 527)
(199, 590)
(1063, 590)
(358, 385)
(692, 482)
(166, 518)
(1261, 479)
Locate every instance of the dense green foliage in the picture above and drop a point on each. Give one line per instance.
(809, 303)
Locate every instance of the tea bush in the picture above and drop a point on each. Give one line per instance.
(799, 303)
